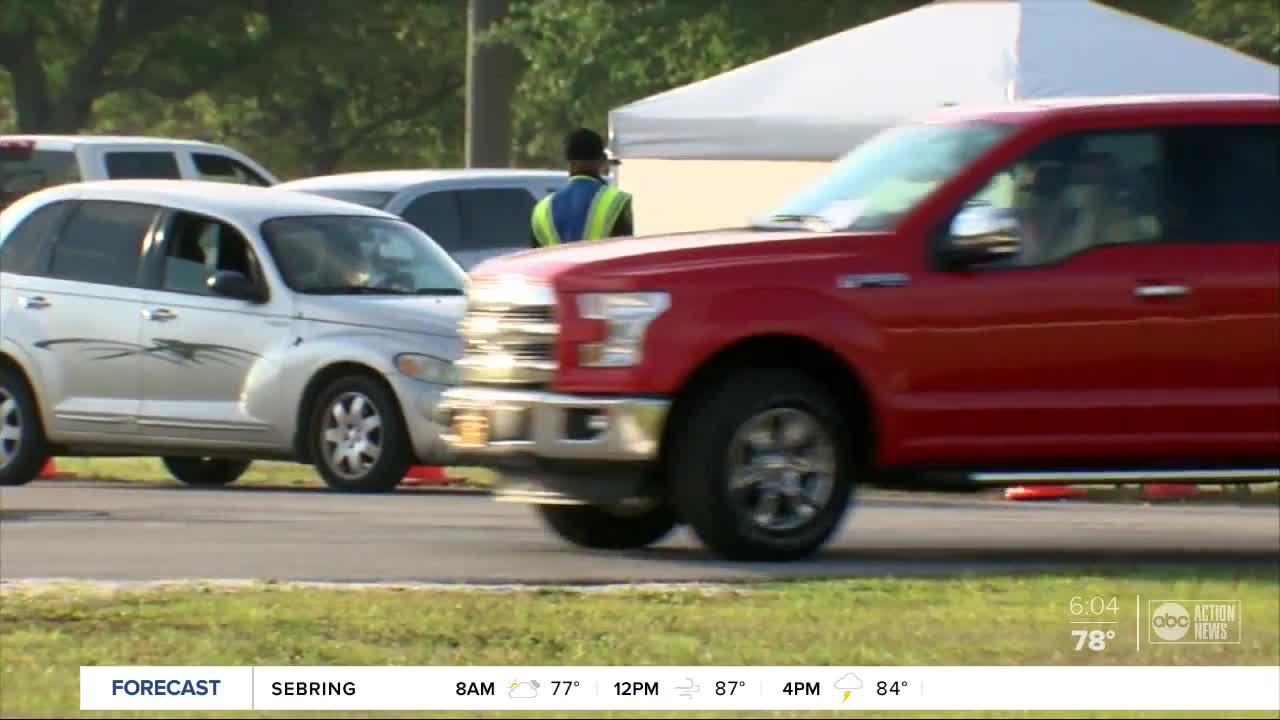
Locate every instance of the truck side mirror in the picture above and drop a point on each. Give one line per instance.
(981, 234)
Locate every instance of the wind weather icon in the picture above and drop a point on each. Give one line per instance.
(848, 682)
(521, 690)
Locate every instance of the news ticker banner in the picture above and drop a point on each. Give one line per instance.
(680, 688)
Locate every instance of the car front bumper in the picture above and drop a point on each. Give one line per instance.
(553, 447)
(420, 404)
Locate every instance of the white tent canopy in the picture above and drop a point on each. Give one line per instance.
(818, 101)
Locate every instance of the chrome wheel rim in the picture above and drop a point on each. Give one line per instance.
(10, 428)
(782, 465)
(352, 436)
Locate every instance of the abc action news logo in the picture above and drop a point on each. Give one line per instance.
(1187, 622)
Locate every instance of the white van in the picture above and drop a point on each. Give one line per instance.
(33, 162)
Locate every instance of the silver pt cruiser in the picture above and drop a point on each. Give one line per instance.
(213, 324)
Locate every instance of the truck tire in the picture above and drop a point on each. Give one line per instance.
(357, 436)
(23, 448)
(763, 467)
(205, 472)
(600, 528)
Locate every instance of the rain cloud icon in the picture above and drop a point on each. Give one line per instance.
(524, 690)
(849, 681)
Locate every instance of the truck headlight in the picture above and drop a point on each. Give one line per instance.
(626, 317)
(427, 368)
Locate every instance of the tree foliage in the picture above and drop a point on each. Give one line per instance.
(62, 55)
(349, 78)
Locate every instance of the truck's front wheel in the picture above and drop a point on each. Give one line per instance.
(763, 467)
(603, 528)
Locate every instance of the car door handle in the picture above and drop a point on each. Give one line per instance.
(159, 315)
(1159, 291)
(34, 303)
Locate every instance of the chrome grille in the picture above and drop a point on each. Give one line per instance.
(510, 335)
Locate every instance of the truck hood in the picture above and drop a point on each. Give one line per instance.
(435, 315)
(675, 252)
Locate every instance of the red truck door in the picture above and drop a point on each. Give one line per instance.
(1222, 207)
(1080, 347)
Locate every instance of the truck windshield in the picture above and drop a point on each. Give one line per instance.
(24, 170)
(883, 179)
(347, 255)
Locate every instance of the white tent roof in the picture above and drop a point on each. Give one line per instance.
(819, 100)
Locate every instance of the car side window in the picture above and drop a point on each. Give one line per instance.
(220, 168)
(1081, 191)
(102, 243)
(1223, 182)
(197, 248)
(22, 252)
(496, 218)
(438, 215)
(142, 165)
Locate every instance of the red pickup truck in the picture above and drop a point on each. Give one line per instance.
(1012, 294)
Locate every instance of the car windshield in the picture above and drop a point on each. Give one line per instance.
(883, 179)
(345, 255)
(369, 198)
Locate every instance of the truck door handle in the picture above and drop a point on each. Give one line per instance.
(159, 315)
(36, 302)
(1159, 291)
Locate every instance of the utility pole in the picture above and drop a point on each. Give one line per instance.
(491, 80)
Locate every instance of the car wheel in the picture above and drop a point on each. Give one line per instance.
(605, 528)
(358, 438)
(206, 472)
(764, 468)
(23, 449)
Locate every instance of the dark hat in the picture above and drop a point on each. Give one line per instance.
(583, 144)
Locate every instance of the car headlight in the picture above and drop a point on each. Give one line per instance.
(626, 316)
(427, 368)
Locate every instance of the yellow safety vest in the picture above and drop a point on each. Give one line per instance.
(606, 207)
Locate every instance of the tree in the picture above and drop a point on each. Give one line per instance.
(491, 77)
(63, 55)
(1251, 26)
(346, 77)
(8, 114)
(346, 86)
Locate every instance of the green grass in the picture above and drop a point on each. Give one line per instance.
(261, 473)
(47, 633)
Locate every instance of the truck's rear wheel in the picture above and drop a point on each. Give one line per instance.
(763, 467)
(603, 528)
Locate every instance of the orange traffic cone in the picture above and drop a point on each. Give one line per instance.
(425, 475)
(1043, 492)
(1170, 491)
(50, 471)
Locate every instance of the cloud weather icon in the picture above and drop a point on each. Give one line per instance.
(849, 681)
(523, 690)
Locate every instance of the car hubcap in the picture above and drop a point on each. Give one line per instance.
(352, 435)
(10, 428)
(782, 466)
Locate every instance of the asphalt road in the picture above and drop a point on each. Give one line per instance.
(70, 529)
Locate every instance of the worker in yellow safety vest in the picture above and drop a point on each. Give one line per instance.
(589, 207)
